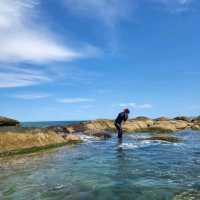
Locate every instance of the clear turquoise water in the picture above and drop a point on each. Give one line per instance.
(105, 169)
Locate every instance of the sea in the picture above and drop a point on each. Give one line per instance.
(131, 169)
(45, 124)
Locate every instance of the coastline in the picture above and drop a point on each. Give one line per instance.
(18, 140)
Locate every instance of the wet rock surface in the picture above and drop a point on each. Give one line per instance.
(14, 137)
(163, 137)
(188, 195)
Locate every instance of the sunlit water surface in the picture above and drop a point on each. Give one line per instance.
(105, 169)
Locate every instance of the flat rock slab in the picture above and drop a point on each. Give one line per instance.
(166, 138)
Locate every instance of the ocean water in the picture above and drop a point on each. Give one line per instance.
(107, 169)
(44, 124)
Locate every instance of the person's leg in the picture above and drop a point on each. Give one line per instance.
(120, 133)
(119, 130)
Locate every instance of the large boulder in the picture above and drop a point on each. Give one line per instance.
(137, 125)
(4, 121)
(99, 125)
(163, 126)
(169, 125)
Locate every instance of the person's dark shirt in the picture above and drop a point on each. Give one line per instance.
(121, 117)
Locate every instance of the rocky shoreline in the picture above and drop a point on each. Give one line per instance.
(17, 140)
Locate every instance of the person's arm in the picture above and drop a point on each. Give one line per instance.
(125, 116)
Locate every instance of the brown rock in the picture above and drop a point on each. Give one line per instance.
(4, 121)
(167, 138)
(72, 138)
(183, 118)
(142, 118)
(162, 119)
(163, 126)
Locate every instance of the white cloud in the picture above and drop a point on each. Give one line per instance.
(178, 2)
(31, 96)
(20, 77)
(33, 47)
(75, 100)
(176, 6)
(22, 39)
(108, 11)
(135, 105)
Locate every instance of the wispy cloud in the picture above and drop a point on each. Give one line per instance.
(108, 11)
(75, 100)
(22, 39)
(135, 105)
(176, 6)
(31, 96)
(20, 77)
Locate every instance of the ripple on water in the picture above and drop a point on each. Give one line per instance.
(107, 169)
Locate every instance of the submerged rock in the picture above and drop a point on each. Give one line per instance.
(5, 121)
(166, 138)
(188, 195)
(162, 137)
(99, 134)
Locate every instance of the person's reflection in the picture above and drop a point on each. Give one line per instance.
(121, 157)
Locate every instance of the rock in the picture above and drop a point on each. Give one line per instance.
(195, 127)
(142, 118)
(28, 140)
(4, 121)
(183, 118)
(99, 125)
(166, 138)
(181, 124)
(105, 135)
(61, 130)
(75, 128)
(100, 134)
(162, 119)
(137, 125)
(19, 139)
(72, 138)
(188, 195)
(163, 126)
(196, 119)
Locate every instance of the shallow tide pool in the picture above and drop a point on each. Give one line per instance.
(107, 169)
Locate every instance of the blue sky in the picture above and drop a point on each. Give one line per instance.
(88, 59)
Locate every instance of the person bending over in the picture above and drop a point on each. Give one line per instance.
(122, 117)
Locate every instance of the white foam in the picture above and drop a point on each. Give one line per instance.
(87, 138)
(127, 146)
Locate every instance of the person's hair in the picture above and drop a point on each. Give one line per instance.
(126, 110)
